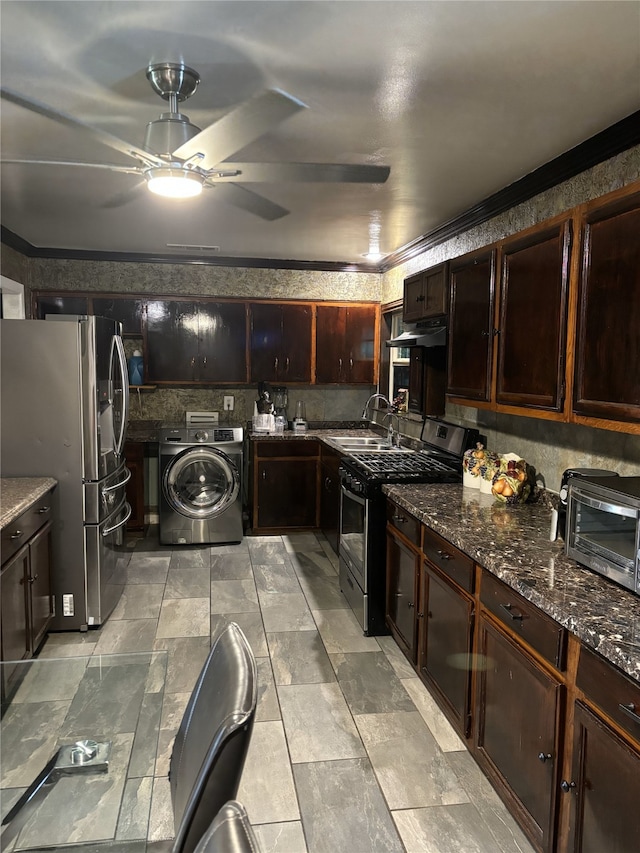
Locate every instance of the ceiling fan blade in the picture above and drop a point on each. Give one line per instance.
(249, 201)
(131, 170)
(125, 196)
(90, 132)
(241, 126)
(309, 172)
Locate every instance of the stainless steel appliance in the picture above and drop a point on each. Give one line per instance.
(65, 403)
(201, 485)
(603, 527)
(362, 510)
(567, 478)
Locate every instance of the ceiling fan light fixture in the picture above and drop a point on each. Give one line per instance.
(174, 183)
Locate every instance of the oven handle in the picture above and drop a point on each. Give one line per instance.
(353, 497)
(617, 509)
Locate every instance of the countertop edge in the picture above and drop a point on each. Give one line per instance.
(17, 494)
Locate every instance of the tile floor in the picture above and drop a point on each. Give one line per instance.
(349, 752)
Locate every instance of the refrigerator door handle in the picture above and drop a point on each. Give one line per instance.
(115, 486)
(121, 523)
(124, 377)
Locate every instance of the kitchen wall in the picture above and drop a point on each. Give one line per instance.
(169, 405)
(550, 447)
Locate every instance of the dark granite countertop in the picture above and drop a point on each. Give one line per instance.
(512, 542)
(18, 493)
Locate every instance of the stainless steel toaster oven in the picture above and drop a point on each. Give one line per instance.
(603, 527)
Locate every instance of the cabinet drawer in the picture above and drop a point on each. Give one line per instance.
(404, 522)
(536, 628)
(19, 531)
(611, 690)
(448, 559)
(277, 448)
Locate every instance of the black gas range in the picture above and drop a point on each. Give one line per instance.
(363, 510)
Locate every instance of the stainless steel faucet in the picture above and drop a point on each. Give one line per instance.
(369, 401)
(393, 437)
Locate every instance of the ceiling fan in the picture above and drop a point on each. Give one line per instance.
(179, 160)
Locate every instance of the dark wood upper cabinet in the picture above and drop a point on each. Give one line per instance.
(426, 294)
(533, 319)
(281, 342)
(345, 344)
(196, 341)
(129, 312)
(607, 366)
(60, 304)
(471, 331)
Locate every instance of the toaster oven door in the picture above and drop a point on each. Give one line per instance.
(604, 536)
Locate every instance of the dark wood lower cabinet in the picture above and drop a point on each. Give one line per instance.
(605, 813)
(403, 573)
(517, 735)
(445, 645)
(285, 485)
(330, 495)
(134, 455)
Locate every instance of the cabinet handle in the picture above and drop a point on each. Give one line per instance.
(351, 363)
(264, 475)
(485, 334)
(420, 298)
(567, 786)
(193, 361)
(515, 616)
(17, 534)
(420, 615)
(43, 509)
(327, 483)
(286, 364)
(275, 363)
(399, 519)
(443, 555)
(33, 579)
(630, 710)
(204, 361)
(410, 604)
(544, 756)
(339, 364)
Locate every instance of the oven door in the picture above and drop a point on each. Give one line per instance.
(354, 532)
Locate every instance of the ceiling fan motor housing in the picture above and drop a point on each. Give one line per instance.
(169, 132)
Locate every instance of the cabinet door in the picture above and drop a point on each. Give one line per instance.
(172, 341)
(222, 342)
(604, 788)
(445, 645)
(134, 455)
(129, 312)
(472, 284)
(39, 582)
(286, 493)
(295, 350)
(518, 708)
(427, 380)
(607, 369)
(414, 298)
(436, 291)
(330, 497)
(359, 344)
(61, 304)
(403, 568)
(535, 274)
(266, 342)
(13, 603)
(331, 333)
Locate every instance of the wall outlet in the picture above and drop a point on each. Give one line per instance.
(228, 404)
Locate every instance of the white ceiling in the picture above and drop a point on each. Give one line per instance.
(460, 99)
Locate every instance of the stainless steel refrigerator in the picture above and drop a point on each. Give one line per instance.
(64, 410)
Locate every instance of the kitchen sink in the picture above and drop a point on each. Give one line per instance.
(350, 443)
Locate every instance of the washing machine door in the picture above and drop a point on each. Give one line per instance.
(201, 483)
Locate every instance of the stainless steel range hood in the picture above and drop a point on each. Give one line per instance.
(432, 334)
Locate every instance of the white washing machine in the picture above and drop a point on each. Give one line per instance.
(200, 473)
